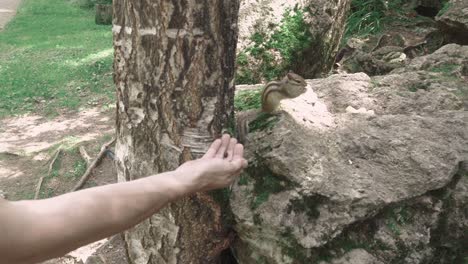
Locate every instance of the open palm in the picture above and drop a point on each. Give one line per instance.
(220, 165)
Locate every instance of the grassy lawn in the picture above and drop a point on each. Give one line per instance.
(53, 57)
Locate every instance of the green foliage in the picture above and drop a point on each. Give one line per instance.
(242, 59)
(265, 183)
(396, 218)
(292, 37)
(446, 5)
(263, 121)
(290, 40)
(246, 77)
(292, 248)
(248, 99)
(259, 199)
(367, 16)
(54, 56)
(79, 168)
(445, 68)
(221, 196)
(393, 226)
(243, 179)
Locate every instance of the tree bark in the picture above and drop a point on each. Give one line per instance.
(174, 69)
(327, 21)
(314, 40)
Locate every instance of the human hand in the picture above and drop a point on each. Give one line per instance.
(218, 168)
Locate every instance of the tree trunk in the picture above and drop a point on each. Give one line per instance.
(278, 36)
(174, 68)
(327, 21)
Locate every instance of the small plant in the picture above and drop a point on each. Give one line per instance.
(292, 37)
(248, 99)
(446, 5)
(79, 168)
(259, 199)
(243, 179)
(263, 121)
(393, 226)
(266, 183)
(445, 68)
(276, 54)
(365, 18)
(368, 16)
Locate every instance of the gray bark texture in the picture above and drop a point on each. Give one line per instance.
(327, 20)
(325, 24)
(174, 69)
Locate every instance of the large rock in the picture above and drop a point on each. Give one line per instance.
(276, 36)
(360, 163)
(453, 19)
(258, 16)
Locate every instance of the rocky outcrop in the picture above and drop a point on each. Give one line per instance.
(277, 36)
(436, 23)
(361, 170)
(453, 20)
(258, 16)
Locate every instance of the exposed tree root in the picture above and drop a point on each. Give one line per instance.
(102, 258)
(51, 165)
(9, 154)
(85, 156)
(90, 168)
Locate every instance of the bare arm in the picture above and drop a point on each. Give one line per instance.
(33, 231)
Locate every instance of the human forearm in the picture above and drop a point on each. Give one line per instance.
(52, 227)
(31, 231)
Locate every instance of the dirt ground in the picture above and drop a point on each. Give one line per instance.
(27, 146)
(7, 11)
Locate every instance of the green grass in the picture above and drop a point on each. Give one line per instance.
(446, 5)
(368, 17)
(52, 57)
(445, 68)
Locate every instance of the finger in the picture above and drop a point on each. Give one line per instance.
(238, 165)
(224, 145)
(245, 163)
(213, 149)
(238, 152)
(230, 149)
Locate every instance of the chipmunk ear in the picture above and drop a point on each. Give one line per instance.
(293, 77)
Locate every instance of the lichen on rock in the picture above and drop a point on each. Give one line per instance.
(341, 186)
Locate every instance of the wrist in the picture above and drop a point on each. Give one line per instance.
(178, 184)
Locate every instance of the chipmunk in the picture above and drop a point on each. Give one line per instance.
(291, 86)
